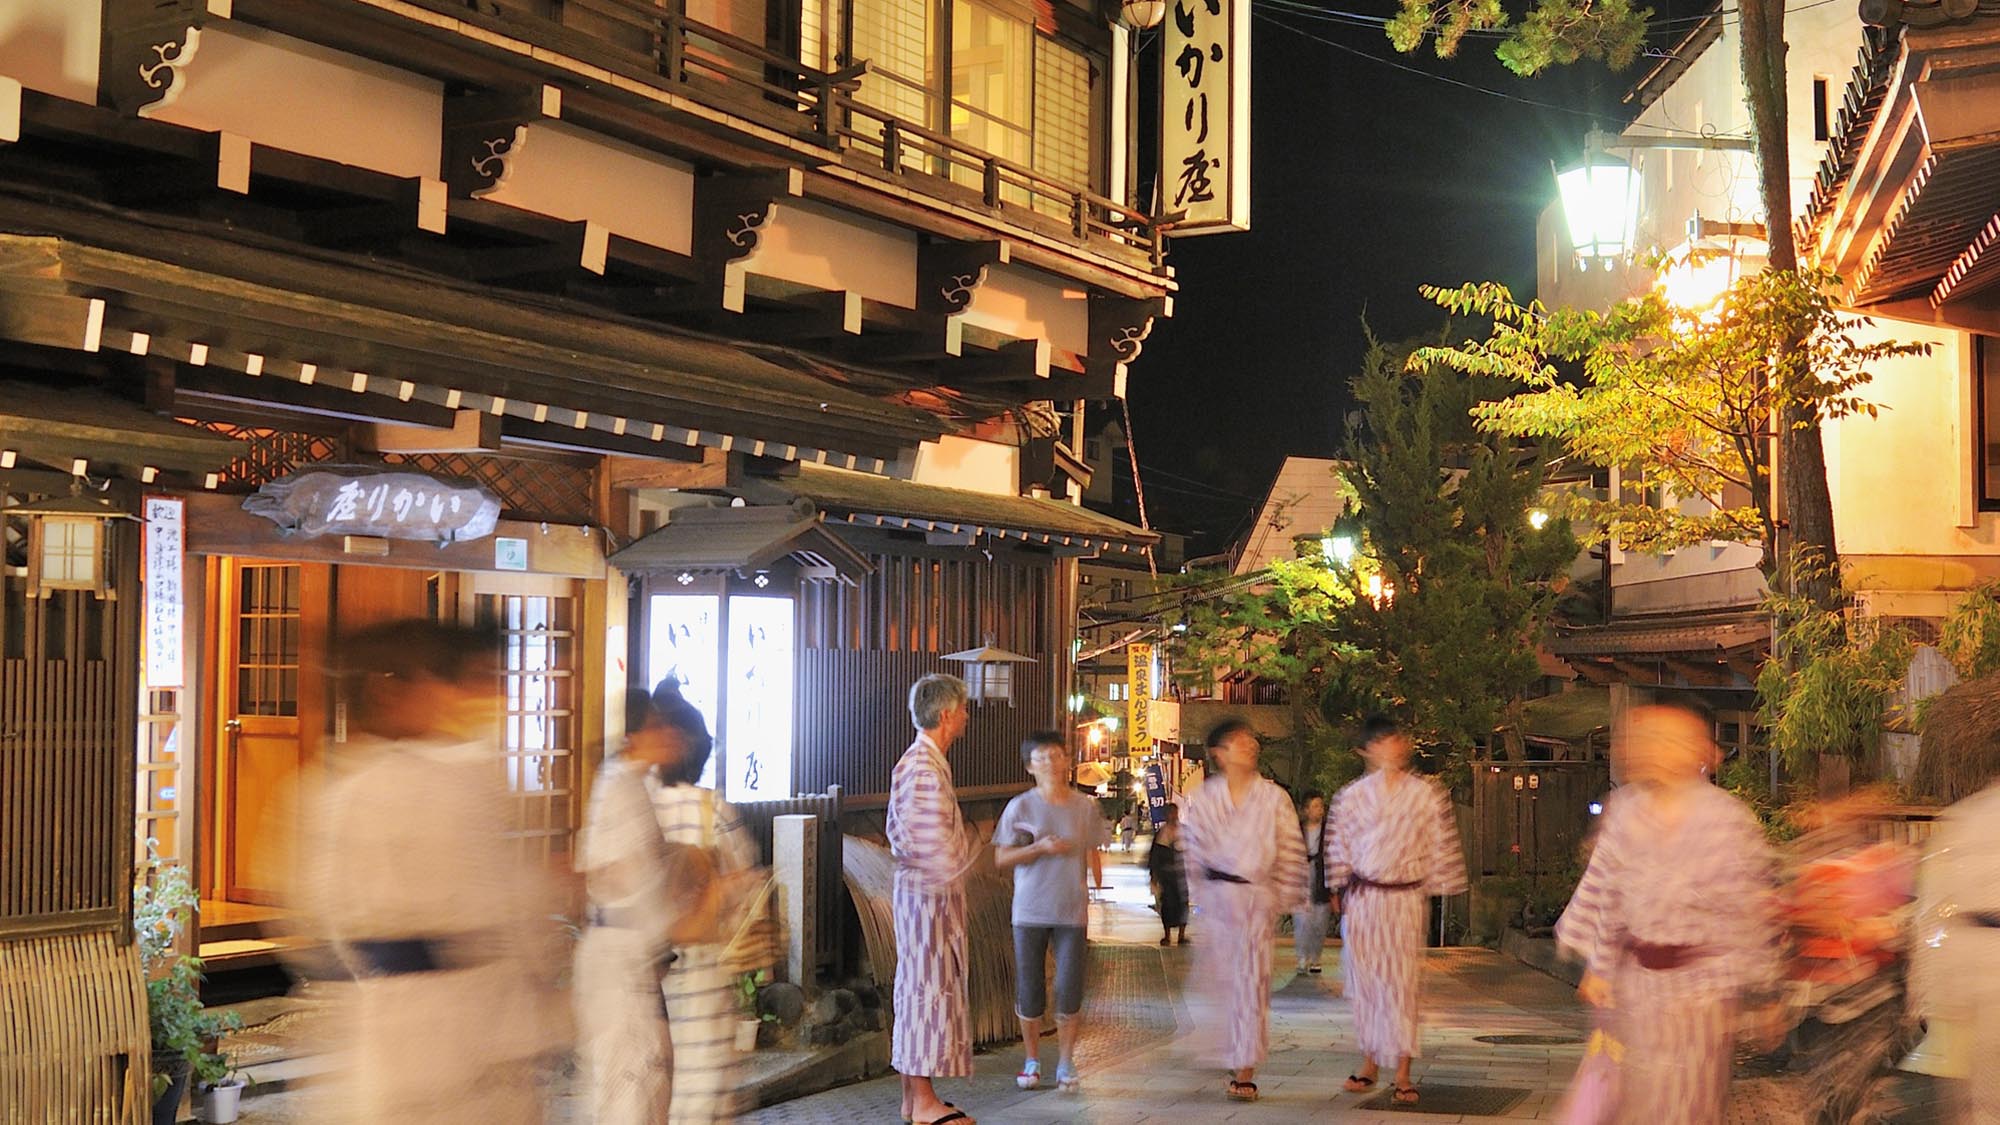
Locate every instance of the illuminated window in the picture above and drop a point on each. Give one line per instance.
(734, 659)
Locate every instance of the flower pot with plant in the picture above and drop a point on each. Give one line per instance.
(183, 1030)
(219, 1102)
(750, 1018)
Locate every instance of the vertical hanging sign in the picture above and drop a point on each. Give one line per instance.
(165, 531)
(1205, 116)
(1139, 704)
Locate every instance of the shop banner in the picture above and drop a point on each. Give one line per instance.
(164, 568)
(1139, 707)
(1156, 795)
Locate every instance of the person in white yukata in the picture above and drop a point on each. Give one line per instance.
(1390, 845)
(932, 1035)
(641, 900)
(1675, 919)
(1953, 986)
(700, 992)
(1246, 865)
(1043, 836)
(423, 896)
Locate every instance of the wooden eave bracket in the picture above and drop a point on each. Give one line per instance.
(144, 46)
(729, 217)
(484, 131)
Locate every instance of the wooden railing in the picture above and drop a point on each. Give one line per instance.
(738, 75)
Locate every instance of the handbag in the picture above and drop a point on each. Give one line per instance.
(1592, 1097)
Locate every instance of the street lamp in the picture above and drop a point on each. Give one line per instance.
(1337, 549)
(1600, 195)
(1538, 519)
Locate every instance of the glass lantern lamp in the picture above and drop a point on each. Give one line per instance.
(1600, 198)
(989, 672)
(69, 544)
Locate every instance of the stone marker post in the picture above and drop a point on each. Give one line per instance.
(795, 861)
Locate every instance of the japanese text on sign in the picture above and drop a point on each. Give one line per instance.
(163, 567)
(1139, 677)
(388, 505)
(1204, 116)
(1156, 795)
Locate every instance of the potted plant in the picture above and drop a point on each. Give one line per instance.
(750, 1019)
(183, 1030)
(218, 1101)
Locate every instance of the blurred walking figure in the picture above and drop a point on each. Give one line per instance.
(1390, 844)
(1953, 985)
(1128, 830)
(1169, 876)
(1309, 924)
(422, 894)
(645, 895)
(1044, 835)
(932, 1037)
(1248, 866)
(700, 994)
(1674, 919)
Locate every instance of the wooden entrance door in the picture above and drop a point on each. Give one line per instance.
(271, 709)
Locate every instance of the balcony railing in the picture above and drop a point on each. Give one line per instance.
(737, 75)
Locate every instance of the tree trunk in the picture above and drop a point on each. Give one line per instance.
(1803, 505)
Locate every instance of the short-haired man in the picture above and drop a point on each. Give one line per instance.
(1391, 844)
(932, 1036)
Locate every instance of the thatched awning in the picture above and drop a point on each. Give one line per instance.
(1961, 741)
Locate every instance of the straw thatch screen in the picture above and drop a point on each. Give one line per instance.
(1960, 754)
(871, 878)
(73, 1034)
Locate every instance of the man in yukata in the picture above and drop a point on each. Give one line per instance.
(1390, 845)
(1675, 919)
(932, 1034)
(424, 896)
(1953, 982)
(1246, 864)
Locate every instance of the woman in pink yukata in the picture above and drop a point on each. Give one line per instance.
(1675, 919)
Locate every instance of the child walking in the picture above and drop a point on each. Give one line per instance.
(1044, 835)
(1390, 845)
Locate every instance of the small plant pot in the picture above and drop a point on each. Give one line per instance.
(219, 1104)
(746, 1036)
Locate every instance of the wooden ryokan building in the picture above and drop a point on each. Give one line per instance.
(663, 337)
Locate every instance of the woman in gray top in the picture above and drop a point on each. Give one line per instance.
(1045, 835)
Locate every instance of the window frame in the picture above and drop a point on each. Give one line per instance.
(1981, 439)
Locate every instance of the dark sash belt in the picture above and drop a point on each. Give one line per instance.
(1215, 876)
(1354, 881)
(1662, 957)
(397, 958)
(1986, 919)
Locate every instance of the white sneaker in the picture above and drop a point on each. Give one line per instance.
(1030, 1076)
(1067, 1080)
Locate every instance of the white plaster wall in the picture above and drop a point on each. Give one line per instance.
(1896, 478)
(569, 174)
(831, 249)
(293, 95)
(977, 466)
(51, 46)
(1031, 305)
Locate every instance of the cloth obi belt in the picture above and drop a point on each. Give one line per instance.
(1660, 958)
(402, 956)
(1362, 881)
(1215, 876)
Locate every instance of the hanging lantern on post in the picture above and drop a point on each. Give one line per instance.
(1141, 15)
(989, 672)
(69, 543)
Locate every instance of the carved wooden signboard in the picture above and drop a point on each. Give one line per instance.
(387, 505)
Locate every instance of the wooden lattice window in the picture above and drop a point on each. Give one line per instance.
(539, 738)
(529, 488)
(270, 454)
(267, 676)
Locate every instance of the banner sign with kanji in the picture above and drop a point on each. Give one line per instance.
(1205, 116)
(1139, 678)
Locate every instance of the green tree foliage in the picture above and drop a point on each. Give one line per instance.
(1551, 33)
(1682, 402)
(1439, 510)
(1833, 690)
(1971, 635)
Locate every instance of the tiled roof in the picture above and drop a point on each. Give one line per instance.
(1713, 637)
(1867, 88)
(866, 500)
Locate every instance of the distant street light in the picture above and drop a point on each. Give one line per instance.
(1538, 519)
(1337, 549)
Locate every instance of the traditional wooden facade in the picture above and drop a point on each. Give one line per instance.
(594, 261)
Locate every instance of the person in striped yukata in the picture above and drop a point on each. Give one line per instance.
(1246, 865)
(1390, 845)
(932, 1034)
(700, 994)
(1675, 919)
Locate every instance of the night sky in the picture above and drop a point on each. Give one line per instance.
(1367, 181)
